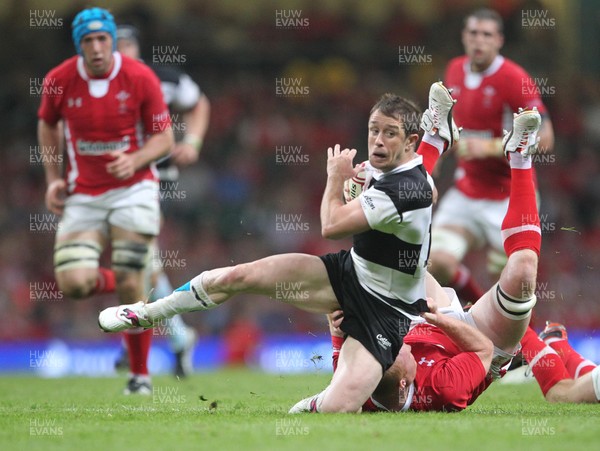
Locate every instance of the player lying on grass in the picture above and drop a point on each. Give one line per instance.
(561, 372)
(445, 371)
(379, 291)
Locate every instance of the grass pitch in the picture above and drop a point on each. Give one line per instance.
(244, 410)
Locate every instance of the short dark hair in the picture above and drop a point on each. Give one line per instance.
(487, 14)
(404, 110)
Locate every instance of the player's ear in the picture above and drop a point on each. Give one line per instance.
(402, 384)
(411, 142)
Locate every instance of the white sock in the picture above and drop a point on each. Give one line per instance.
(518, 161)
(187, 298)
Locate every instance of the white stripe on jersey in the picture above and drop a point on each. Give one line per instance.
(140, 136)
(73, 169)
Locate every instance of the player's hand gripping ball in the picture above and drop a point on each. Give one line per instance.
(355, 185)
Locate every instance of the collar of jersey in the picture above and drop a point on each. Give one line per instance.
(116, 68)
(404, 167)
(409, 398)
(408, 165)
(498, 61)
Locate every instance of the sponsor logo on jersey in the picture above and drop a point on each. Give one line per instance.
(369, 202)
(74, 102)
(424, 361)
(383, 342)
(102, 147)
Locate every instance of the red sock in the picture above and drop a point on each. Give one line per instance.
(430, 149)
(467, 289)
(105, 282)
(138, 347)
(336, 344)
(576, 365)
(545, 363)
(521, 225)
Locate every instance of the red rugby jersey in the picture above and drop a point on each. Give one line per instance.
(114, 113)
(447, 379)
(486, 101)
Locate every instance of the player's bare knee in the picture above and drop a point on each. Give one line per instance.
(521, 274)
(75, 286)
(233, 279)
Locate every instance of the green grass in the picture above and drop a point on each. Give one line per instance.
(243, 410)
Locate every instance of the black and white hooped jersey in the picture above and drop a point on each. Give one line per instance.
(181, 94)
(390, 260)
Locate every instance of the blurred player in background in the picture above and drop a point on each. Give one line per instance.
(488, 88)
(183, 97)
(379, 289)
(115, 126)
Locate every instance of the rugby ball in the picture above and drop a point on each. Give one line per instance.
(355, 185)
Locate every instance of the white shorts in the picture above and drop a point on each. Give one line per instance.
(135, 208)
(481, 217)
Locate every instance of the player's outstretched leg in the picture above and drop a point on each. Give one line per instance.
(503, 312)
(297, 279)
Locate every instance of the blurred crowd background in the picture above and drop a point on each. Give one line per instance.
(241, 201)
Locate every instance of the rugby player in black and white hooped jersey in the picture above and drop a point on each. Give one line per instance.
(380, 282)
(187, 102)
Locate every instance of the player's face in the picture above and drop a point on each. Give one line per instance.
(97, 52)
(482, 41)
(389, 147)
(128, 48)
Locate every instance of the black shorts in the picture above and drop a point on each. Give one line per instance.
(373, 323)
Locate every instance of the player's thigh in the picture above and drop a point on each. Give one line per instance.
(456, 227)
(297, 279)
(504, 332)
(136, 209)
(356, 377)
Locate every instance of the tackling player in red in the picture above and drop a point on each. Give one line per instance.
(109, 112)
